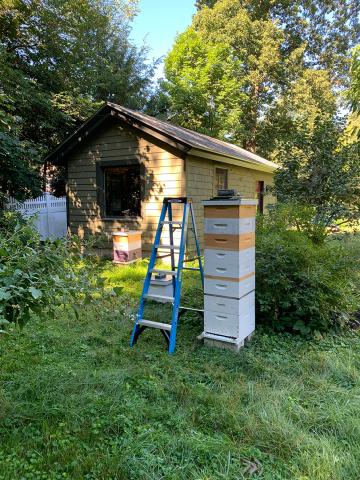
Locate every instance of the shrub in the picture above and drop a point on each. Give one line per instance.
(38, 277)
(301, 285)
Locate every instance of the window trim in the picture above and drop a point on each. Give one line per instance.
(100, 186)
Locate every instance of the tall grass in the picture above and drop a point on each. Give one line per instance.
(76, 402)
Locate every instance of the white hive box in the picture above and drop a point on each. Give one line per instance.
(162, 287)
(229, 268)
(230, 317)
(227, 263)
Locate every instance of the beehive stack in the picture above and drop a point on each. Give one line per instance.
(229, 267)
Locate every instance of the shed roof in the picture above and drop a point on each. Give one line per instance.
(182, 138)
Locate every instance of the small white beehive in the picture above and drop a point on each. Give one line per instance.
(229, 267)
(126, 246)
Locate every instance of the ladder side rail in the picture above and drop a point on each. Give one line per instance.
(172, 254)
(198, 251)
(146, 285)
(177, 295)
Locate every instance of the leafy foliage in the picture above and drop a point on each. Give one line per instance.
(58, 62)
(261, 70)
(352, 133)
(322, 173)
(328, 30)
(38, 278)
(302, 286)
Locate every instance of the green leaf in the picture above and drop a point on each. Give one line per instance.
(117, 290)
(4, 294)
(35, 292)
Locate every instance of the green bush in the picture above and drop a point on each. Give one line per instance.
(303, 286)
(38, 277)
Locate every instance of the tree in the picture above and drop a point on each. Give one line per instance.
(328, 30)
(273, 50)
(352, 131)
(320, 172)
(58, 62)
(238, 70)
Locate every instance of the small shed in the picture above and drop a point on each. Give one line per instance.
(121, 164)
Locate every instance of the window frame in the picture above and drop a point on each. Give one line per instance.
(100, 186)
(226, 170)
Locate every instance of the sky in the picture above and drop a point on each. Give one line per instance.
(158, 23)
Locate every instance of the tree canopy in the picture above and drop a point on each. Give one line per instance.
(258, 66)
(58, 61)
(278, 78)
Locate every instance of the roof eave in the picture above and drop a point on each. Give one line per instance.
(171, 140)
(220, 157)
(58, 155)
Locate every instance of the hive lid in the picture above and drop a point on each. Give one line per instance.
(126, 234)
(229, 201)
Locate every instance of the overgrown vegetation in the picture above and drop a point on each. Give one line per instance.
(59, 60)
(321, 173)
(77, 402)
(304, 283)
(37, 278)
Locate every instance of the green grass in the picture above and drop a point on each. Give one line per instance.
(76, 402)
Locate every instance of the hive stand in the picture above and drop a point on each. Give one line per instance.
(166, 218)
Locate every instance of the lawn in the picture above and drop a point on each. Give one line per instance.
(76, 402)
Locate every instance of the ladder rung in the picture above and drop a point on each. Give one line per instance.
(159, 257)
(159, 297)
(190, 268)
(191, 259)
(167, 272)
(151, 324)
(171, 222)
(191, 309)
(167, 247)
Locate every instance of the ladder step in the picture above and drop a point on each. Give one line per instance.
(191, 259)
(151, 296)
(171, 222)
(166, 272)
(167, 247)
(151, 324)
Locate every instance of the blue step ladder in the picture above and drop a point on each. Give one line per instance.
(166, 218)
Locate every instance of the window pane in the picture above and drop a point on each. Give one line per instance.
(221, 179)
(122, 191)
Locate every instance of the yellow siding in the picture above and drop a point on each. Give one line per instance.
(200, 185)
(164, 177)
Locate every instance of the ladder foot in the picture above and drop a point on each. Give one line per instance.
(136, 333)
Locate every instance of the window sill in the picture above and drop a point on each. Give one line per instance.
(122, 219)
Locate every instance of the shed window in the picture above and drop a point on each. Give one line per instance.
(260, 190)
(122, 191)
(221, 179)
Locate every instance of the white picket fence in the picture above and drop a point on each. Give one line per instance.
(50, 211)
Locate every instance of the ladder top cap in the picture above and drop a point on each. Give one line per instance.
(177, 200)
(230, 202)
